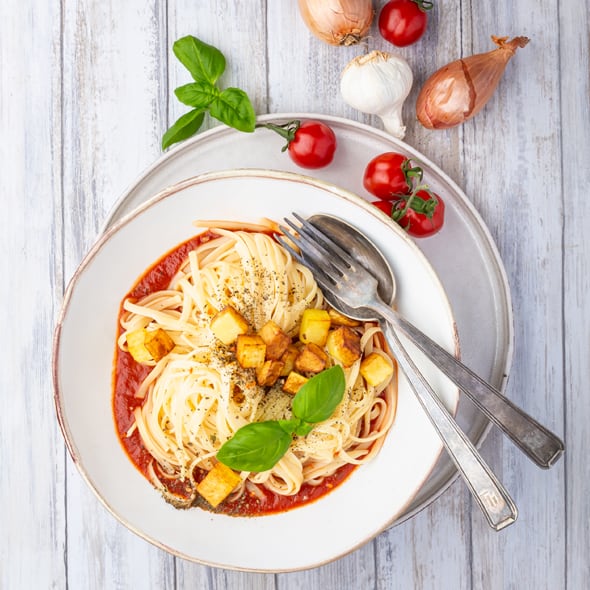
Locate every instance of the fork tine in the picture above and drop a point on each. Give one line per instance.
(305, 240)
(310, 255)
(327, 241)
(321, 274)
(288, 246)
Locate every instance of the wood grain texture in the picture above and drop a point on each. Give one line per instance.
(113, 76)
(574, 66)
(515, 203)
(83, 105)
(32, 492)
(238, 30)
(399, 563)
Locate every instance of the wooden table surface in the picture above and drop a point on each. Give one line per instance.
(86, 93)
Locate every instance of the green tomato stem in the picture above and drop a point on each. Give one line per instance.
(412, 201)
(286, 131)
(424, 5)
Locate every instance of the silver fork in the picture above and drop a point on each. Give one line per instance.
(339, 273)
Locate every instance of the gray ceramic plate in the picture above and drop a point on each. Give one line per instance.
(463, 253)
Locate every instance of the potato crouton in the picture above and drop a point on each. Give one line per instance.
(136, 348)
(339, 319)
(344, 344)
(250, 351)
(294, 382)
(315, 324)
(376, 369)
(275, 339)
(311, 359)
(269, 372)
(158, 343)
(288, 359)
(149, 345)
(228, 324)
(218, 484)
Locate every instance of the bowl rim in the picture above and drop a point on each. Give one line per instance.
(105, 236)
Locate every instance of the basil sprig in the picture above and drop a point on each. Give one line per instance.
(230, 106)
(259, 445)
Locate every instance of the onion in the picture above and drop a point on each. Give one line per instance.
(459, 90)
(338, 22)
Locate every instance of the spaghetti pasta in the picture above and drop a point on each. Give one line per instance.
(197, 395)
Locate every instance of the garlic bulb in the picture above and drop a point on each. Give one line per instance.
(378, 83)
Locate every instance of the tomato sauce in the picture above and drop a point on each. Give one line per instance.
(128, 376)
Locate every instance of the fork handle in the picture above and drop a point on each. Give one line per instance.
(491, 496)
(538, 443)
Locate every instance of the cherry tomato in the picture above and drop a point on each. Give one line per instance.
(421, 215)
(313, 145)
(403, 22)
(386, 175)
(385, 206)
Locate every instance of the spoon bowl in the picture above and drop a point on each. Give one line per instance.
(366, 254)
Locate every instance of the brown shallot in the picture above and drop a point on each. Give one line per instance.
(459, 90)
(338, 22)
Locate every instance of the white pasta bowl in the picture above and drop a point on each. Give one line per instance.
(367, 502)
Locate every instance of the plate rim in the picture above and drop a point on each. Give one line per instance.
(350, 124)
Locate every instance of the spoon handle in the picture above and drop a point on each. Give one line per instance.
(493, 499)
(538, 443)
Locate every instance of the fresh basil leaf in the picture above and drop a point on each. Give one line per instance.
(233, 107)
(197, 94)
(289, 426)
(303, 428)
(297, 426)
(184, 127)
(255, 447)
(317, 399)
(205, 62)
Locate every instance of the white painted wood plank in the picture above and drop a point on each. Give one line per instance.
(574, 65)
(238, 30)
(303, 71)
(440, 44)
(113, 77)
(199, 577)
(513, 145)
(113, 72)
(431, 550)
(356, 570)
(32, 518)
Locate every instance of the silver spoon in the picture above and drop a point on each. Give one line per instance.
(335, 270)
(538, 443)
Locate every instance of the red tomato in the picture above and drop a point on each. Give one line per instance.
(403, 22)
(424, 216)
(385, 206)
(386, 175)
(313, 145)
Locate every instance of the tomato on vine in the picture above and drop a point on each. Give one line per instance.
(403, 22)
(390, 174)
(311, 144)
(421, 214)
